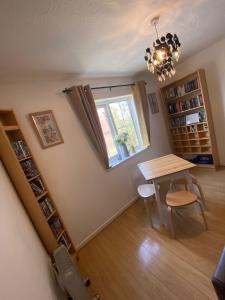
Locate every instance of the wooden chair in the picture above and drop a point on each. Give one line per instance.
(146, 192)
(196, 183)
(179, 199)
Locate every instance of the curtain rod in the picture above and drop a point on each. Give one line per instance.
(67, 90)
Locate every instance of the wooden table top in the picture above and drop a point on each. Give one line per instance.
(163, 166)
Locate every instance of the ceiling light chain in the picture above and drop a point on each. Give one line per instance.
(165, 50)
(156, 30)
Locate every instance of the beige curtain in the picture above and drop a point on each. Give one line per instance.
(141, 102)
(84, 105)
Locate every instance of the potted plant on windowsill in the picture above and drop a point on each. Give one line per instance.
(121, 140)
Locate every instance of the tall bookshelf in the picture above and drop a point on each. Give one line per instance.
(189, 121)
(30, 185)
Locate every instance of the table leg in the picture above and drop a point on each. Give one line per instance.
(158, 201)
(189, 181)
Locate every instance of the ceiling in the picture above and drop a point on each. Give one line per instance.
(99, 37)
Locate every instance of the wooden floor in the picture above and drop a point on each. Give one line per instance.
(129, 260)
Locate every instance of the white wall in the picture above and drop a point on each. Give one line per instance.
(87, 195)
(212, 60)
(25, 267)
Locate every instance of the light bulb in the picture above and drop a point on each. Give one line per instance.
(176, 55)
(151, 68)
(160, 78)
(161, 54)
(173, 71)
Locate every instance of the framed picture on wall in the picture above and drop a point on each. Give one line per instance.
(153, 103)
(46, 128)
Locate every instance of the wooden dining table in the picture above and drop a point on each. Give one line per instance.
(166, 168)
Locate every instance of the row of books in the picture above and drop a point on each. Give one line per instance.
(183, 105)
(29, 168)
(37, 186)
(191, 86)
(22, 152)
(56, 226)
(46, 206)
(189, 119)
(20, 148)
(64, 240)
(181, 90)
(177, 122)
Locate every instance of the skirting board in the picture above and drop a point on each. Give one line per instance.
(101, 227)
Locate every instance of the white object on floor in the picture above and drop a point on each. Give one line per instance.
(69, 276)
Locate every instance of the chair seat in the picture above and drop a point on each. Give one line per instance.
(146, 190)
(180, 198)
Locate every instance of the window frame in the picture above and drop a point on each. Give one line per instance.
(105, 104)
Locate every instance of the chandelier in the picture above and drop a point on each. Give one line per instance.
(160, 59)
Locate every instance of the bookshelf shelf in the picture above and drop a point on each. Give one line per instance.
(190, 153)
(189, 119)
(175, 127)
(11, 128)
(34, 177)
(25, 158)
(51, 215)
(42, 195)
(29, 183)
(186, 111)
(199, 139)
(60, 235)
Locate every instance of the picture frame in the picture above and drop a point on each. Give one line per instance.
(46, 127)
(153, 103)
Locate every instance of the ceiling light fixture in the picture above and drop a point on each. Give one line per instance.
(160, 59)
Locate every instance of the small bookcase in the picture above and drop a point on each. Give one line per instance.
(30, 185)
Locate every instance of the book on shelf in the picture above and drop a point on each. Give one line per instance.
(49, 204)
(46, 207)
(37, 186)
(200, 99)
(55, 225)
(64, 240)
(202, 116)
(20, 148)
(29, 168)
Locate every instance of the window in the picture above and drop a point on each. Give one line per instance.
(119, 121)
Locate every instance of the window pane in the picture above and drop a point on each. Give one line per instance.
(123, 121)
(111, 148)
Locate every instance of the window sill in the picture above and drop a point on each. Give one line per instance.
(127, 158)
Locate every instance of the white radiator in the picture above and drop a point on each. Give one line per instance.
(68, 275)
